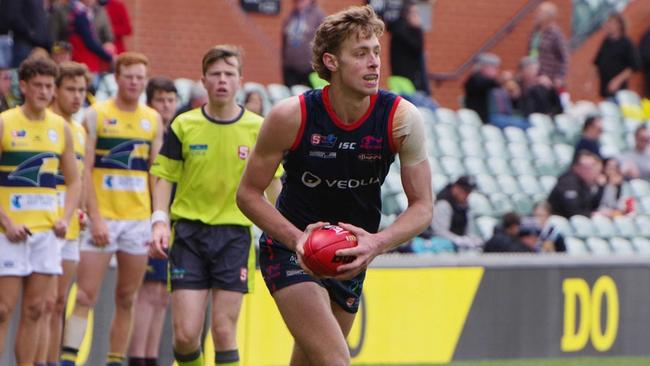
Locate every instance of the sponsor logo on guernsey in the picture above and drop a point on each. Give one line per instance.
(323, 140)
(323, 154)
(369, 156)
(18, 133)
(145, 124)
(114, 182)
(33, 202)
(311, 180)
(371, 143)
(198, 149)
(243, 151)
(347, 145)
(110, 121)
(52, 135)
(243, 274)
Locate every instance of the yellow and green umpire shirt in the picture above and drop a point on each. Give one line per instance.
(29, 163)
(78, 142)
(120, 175)
(206, 158)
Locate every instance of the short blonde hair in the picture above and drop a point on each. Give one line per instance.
(359, 21)
(128, 59)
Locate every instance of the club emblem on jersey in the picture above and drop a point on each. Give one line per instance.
(243, 152)
(371, 143)
(125, 153)
(52, 135)
(37, 171)
(322, 140)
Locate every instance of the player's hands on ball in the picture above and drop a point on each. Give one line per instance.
(159, 240)
(60, 229)
(366, 250)
(300, 247)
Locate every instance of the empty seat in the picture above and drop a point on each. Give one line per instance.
(604, 227)
(523, 167)
(642, 245)
(643, 225)
(519, 150)
(542, 121)
(625, 226)
(598, 246)
(621, 246)
(609, 109)
(445, 131)
(508, 184)
(568, 126)
(499, 166)
(474, 166)
(548, 182)
(575, 246)
(277, 92)
(539, 135)
(562, 224)
(542, 151)
(446, 115)
(522, 203)
(582, 226)
(563, 153)
(470, 133)
(628, 97)
(530, 185)
(439, 181)
(547, 167)
(469, 117)
(472, 148)
(392, 184)
(486, 184)
(428, 115)
(491, 133)
(515, 134)
(452, 167)
(299, 89)
(479, 205)
(449, 148)
(501, 203)
(184, 90)
(640, 187)
(486, 225)
(496, 149)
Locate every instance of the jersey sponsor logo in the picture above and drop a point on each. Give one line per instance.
(323, 140)
(323, 154)
(33, 170)
(371, 143)
(114, 182)
(197, 147)
(243, 274)
(33, 202)
(243, 151)
(369, 157)
(52, 135)
(145, 124)
(347, 145)
(60, 196)
(123, 154)
(18, 133)
(311, 180)
(110, 121)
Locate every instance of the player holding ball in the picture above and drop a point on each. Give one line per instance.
(337, 145)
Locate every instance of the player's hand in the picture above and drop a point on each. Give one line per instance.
(99, 232)
(60, 229)
(16, 233)
(366, 250)
(300, 247)
(160, 234)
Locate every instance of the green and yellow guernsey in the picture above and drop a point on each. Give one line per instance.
(206, 159)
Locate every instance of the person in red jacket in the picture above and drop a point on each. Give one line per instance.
(120, 22)
(86, 47)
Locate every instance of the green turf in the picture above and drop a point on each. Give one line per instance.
(600, 361)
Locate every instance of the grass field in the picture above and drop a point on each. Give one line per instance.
(600, 361)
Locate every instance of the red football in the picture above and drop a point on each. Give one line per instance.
(321, 246)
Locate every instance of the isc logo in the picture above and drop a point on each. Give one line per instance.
(347, 145)
(342, 259)
(581, 303)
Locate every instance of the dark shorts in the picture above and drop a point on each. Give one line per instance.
(156, 270)
(280, 269)
(210, 257)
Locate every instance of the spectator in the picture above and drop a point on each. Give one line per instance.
(644, 50)
(537, 92)
(5, 88)
(501, 110)
(254, 102)
(616, 59)
(452, 220)
(6, 40)
(120, 22)
(548, 44)
(61, 52)
(59, 25)
(481, 82)
(198, 97)
(636, 163)
(577, 191)
(589, 140)
(298, 30)
(27, 20)
(407, 47)
(550, 239)
(612, 202)
(86, 46)
(506, 236)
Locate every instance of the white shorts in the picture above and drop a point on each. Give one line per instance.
(129, 236)
(70, 250)
(40, 253)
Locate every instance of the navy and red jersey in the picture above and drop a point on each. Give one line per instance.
(334, 171)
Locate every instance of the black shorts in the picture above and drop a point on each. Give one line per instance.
(156, 270)
(280, 269)
(210, 256)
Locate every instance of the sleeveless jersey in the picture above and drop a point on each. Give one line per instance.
(120, 175)
(334, 171)
(78, 142)
(29, 163)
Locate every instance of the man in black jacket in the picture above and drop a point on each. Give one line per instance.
(577, 191)
(407, 47)
(452, 220)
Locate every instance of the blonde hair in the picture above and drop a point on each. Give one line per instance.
(222, 52)
(359, 21)
(128, 59)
